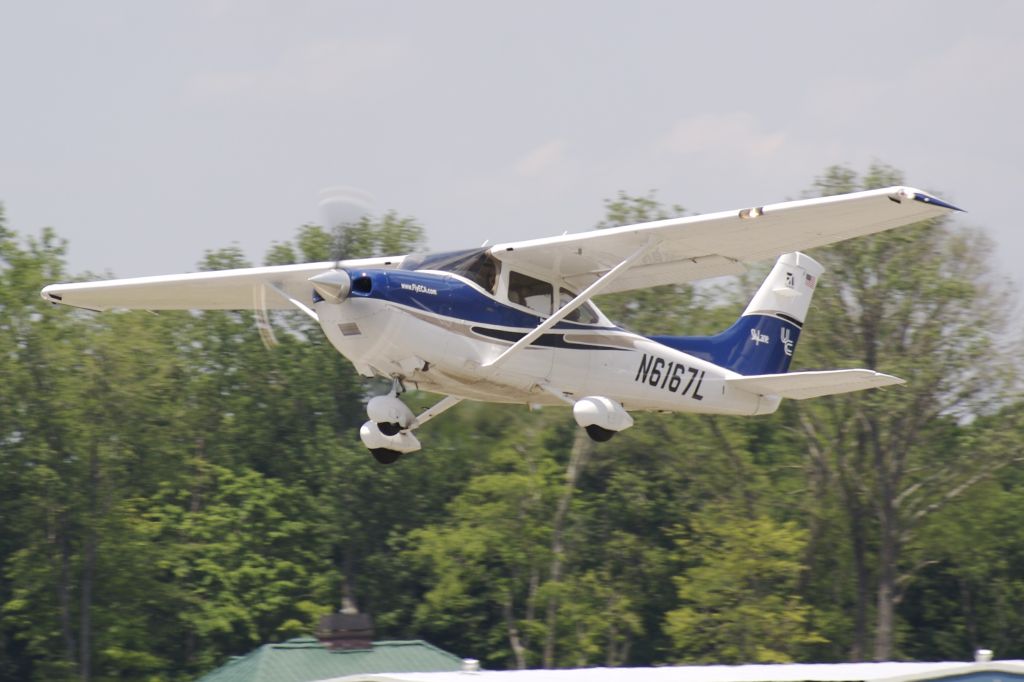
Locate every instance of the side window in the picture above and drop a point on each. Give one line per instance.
(530, 292)
(584, 314)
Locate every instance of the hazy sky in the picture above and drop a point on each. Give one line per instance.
(148, 132)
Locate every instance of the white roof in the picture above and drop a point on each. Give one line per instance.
(795, 672)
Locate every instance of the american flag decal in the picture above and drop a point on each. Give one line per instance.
(810, 280)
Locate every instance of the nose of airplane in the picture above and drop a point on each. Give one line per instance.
(333, 285)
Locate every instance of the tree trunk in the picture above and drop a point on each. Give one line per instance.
(889, 546)
(859, 647)
(85, 628)
(581, 449)
(88, 572)
(514, 640)
(885, 607)
(349, 604)
(857, 517)
(64, 592)
(970, 615)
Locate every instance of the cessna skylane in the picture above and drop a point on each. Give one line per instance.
(514, 322)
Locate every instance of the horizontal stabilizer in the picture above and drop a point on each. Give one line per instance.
(802, 385)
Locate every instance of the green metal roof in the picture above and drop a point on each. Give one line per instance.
(305, 659)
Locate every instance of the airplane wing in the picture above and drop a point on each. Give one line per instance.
(239, 289)
(667, 251)
(697, 247)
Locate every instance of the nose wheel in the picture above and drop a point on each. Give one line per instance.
(385, 456)
(389, 428)
(389, 433)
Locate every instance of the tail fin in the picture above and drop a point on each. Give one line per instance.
(763, 339)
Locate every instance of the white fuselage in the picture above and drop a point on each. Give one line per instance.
(448, 354)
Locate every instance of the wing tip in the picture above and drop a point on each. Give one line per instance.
(931, 200)
(50, 295)
(882, 380)
(923, 197)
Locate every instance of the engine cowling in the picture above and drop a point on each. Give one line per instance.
(602, 417)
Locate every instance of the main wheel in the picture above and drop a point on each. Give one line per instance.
(385, 456)
(599, 434)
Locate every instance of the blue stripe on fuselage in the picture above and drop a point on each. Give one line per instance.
(449, 296)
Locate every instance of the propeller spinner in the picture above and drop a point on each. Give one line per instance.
(333, 285)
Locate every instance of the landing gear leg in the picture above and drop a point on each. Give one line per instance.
(389, 412)
(388, 435)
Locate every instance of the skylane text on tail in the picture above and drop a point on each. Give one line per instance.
(514, 322)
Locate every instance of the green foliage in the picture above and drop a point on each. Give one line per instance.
(628, 209)
(738, 595)
(917, 303)
(488, 558)
(244, 560)
(226, 258)
(388, 235)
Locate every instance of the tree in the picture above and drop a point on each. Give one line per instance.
(489, 559)
(738, 597)
(966, 597)
(917, 303)
(388, 235)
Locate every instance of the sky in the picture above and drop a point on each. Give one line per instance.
(146, 133)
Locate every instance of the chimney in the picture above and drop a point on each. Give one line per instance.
(345, 631)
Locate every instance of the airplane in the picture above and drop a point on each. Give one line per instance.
(514, 322)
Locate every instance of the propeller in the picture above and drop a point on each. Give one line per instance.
(266, 329)
(339, 206)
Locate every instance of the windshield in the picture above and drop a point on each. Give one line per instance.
(476, 265)
(585, 313)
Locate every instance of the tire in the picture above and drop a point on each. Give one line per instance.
(385, 456)
(599, 434)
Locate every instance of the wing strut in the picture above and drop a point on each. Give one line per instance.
(431, 412)
(572, 305)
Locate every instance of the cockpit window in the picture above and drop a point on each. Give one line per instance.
(476, 265)
(584, 314)
(530, 292)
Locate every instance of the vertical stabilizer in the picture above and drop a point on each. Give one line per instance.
(763, 339)
(787, 291)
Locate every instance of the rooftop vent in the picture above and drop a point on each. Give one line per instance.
(345, 631)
